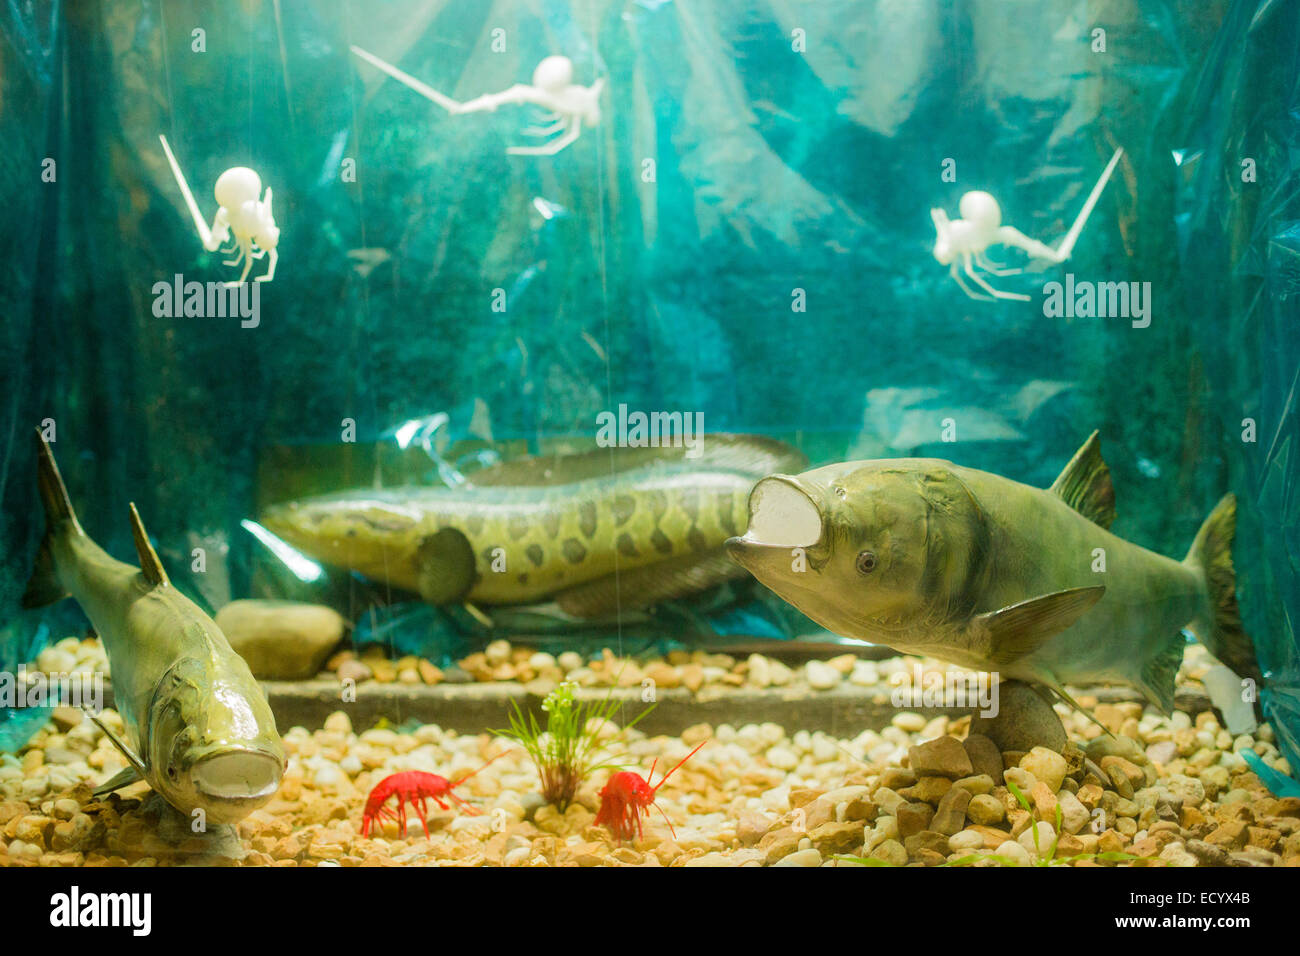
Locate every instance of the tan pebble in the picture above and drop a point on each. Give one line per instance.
(696, 733)
(843, 663)
(10, 809)
(1111, 842)
(338, 658)
(65, 718)
(339, 723)
(429, 673)
(356, 671)
(751, 826)
(693, 677)
(664, 675)
(667, 851)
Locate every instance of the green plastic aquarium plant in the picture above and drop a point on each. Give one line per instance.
(566, 751)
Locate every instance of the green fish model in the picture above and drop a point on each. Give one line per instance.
(545, 529)
(198, 727)
(931, 558)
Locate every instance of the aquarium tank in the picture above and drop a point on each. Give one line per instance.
(846, 433)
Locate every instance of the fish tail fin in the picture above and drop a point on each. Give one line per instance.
(1211, 556)
(44, 587)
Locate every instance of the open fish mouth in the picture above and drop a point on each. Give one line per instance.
(237, 776)
(782, 515)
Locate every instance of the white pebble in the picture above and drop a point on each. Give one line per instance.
(864, 674)
(516, 856)
(821, 676)
(783, 758)
(966, 840)
(906, 722)
(328, 775)
(1014, 852)
(801, 858)
(1045, 835)
(760, 672)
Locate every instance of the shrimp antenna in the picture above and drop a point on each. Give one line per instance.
(472, 772)
(674, 770)
(665, 816)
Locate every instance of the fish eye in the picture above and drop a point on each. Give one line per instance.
(866, 562)
(840, 492)
(171, 772)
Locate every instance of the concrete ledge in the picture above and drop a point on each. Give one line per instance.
(475, 708)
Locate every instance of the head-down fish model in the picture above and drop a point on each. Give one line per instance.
(931, 558)
(198, 727)
(549, 529)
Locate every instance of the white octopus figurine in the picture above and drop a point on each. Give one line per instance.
(242, 217)
(571, 106)
(962, 243)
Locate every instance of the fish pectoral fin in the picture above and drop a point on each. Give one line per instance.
(1085, 484)
(136, 763)
(123, 778)
(150, 566)
(1020, 629)
(444, 564)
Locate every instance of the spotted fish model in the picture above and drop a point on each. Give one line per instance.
(931, 558)
(546, 529)
(198, 727)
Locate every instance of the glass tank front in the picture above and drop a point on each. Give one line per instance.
(649, 433)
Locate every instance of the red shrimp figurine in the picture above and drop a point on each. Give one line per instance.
(625, 797)
(414, 786)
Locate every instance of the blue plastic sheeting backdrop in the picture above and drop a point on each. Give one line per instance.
(745, 234)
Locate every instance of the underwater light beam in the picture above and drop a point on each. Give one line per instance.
(303, 568)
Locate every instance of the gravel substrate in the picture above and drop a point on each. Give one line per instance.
(920, 792)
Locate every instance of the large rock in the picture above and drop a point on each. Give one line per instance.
(1023, 721)
(985, 757)
(281, 640)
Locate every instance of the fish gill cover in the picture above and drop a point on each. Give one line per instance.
(743, 235)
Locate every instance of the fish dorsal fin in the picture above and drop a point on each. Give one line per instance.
(149, 563)
(1020, 629)
(1085, 485)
